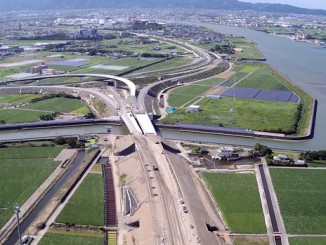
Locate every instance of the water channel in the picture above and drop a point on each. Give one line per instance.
(26, 222)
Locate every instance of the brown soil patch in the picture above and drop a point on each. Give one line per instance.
(216, 90)
(226, 74)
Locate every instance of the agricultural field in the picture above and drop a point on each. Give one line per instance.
(71, 238)
(249, 48)
(19, 116)
(238, 198)
(301, 196)
(307, 240)
(247, 114)
(181, 95)
(14, 99)
(26, 167)
(86, 207)
(256, 76)
(135, 45)
(174, 63)
(263, 78)
(60, 105)
(32, 112)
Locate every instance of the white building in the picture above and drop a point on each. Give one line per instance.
(193, 108)
(281, 158)
(301, 162)
(48, 72)
(224, 152)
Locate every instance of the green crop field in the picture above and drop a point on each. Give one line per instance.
(19, 116)
(248, 114)
(238, 198)
(23, 170)
(307, 240)
(58, 104)
(86, 207)
(249, 48)
(169, 64)
(262, 78)
(71, 238)
(15, 99)
(7, 71)
(32, 112)
(181, 95)
(301, 195)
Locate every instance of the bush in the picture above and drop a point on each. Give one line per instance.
(47, 117)
(264, 150)
(60, 140)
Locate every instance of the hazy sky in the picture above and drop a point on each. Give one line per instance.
(316, 4)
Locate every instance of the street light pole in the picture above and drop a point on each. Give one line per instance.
(17, 210)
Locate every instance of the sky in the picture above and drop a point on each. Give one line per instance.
(315, 4)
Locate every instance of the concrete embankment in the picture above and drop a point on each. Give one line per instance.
(58, 123)
(242, 132)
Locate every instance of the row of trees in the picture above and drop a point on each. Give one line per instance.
(223, 48)
(71, 142)
(313, 155)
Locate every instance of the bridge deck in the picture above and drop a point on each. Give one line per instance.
(145, 124)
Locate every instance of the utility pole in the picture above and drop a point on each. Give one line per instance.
(17, 211)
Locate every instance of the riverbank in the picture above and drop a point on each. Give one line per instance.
(58, 123)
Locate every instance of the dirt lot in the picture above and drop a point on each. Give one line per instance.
(216, 90)
(226, 74)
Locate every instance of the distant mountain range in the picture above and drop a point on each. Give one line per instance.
(9, 5)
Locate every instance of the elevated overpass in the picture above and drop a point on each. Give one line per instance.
(130, 84)
(136, 123)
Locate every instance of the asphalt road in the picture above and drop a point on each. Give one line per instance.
(269, 200)
(195, 202)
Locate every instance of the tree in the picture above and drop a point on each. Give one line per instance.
(60, 140)
(2, 122)
(72, 142)
(264, 150)
(90, 115)
(47, 117)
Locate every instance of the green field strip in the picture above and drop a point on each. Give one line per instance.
(238, 198)
(301, 196)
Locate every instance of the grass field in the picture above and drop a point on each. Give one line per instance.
(15, 99)
(22, 171)
(173, 63)
(86, 207)
(248, 114)
(19, 116)
(238, 198)
(307, 240)
(249, 48)
(302, 196)
(58, 104)
(181, 95)
(262, 77)
(71, 238)
(32, 112)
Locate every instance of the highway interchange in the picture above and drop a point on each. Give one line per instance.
(175, 181)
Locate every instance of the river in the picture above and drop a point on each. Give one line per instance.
(301, 63)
